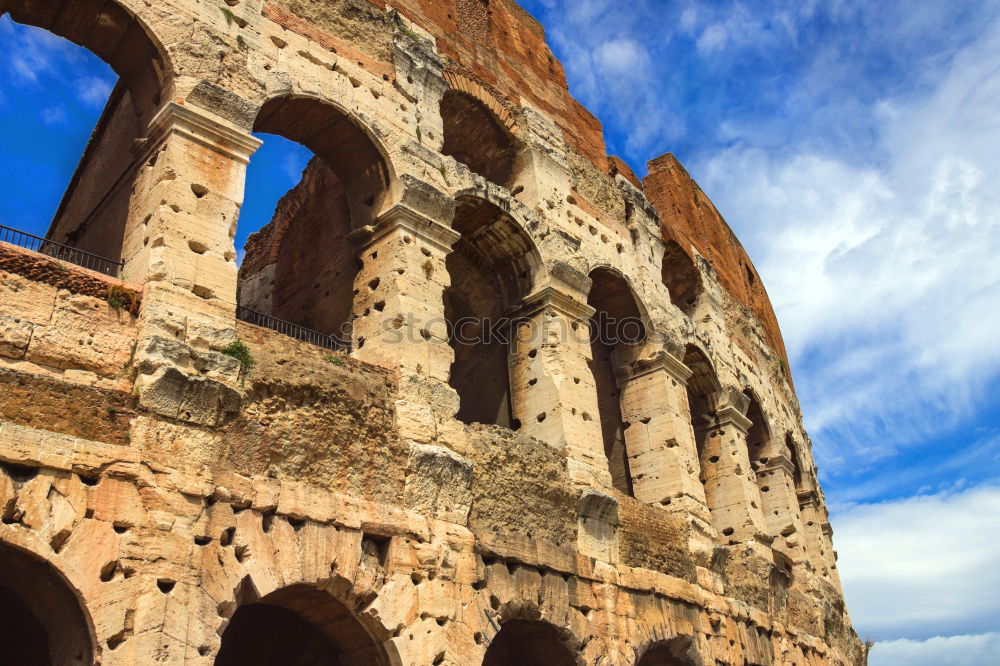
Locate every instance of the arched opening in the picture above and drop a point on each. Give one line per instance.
(616, 333)
(701, 390)
(759, 435)
(41, 621)
(681, 277)
(491, 270)
(528, 643)
(300, 266)
(792, 451)
(75, 106)
(675, 652)
(474, 137)
(298, 625)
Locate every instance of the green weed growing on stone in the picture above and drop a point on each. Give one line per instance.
(241, 353)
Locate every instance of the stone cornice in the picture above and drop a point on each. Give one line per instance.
(204, 127)
(779, 463)
(403, 218)
(550, 297)
(661, 361)
(731, 416)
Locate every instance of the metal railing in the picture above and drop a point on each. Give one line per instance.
(61, 252)
(302, 333)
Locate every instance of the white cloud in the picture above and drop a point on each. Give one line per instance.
(622, 57)
(93, 91)
(54, 115)
(968, 650)
(885, 267)
(922, 566)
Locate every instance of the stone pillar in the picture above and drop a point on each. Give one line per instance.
(399, 295)
(182, 221)
(812, 525)
(553, 396)
(780, 505)
(662, 452)
(730, 483)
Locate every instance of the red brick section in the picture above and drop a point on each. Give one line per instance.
(59, 274)
(494, 42)
(688, 217)
(297, 24)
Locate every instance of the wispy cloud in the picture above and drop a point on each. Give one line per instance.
(54, 115)
(964, 650)
(93, 91)
(884, 275)
(923, 566)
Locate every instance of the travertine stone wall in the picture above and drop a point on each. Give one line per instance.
(185, 504)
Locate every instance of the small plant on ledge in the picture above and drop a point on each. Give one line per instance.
(241, 353)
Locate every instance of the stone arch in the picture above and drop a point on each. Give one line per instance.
(759, 441)
(45, 620)
(702, 389)
(115, 34)
(795, 457)
(301, 266)
(681, 277)
(94, 208)
(301, 624)
(528, 642)
(618, 330)
(493, 267)
(677, 651)
(476, 134)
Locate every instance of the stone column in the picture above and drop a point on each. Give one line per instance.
(399, 295)
(663, 456)
(730, 483)
(812, 525)
(780, 505)
(182, 221)
(553, 396)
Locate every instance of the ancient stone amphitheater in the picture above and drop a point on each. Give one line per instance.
(195, 467)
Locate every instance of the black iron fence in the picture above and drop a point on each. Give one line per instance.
(61, 252)
(302, 333)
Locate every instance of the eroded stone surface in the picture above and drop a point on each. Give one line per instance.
(411, 500)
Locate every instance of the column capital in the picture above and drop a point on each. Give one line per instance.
(731, 416)
(550, 297)
(401, 217)
(660, 361)
(806, 497)
(779, 463)
(204, 127)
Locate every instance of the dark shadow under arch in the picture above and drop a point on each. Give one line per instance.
(41, 619)
(759, 442)
(677, 651)
(492, 269)
(681, 277)
(302, 265)
(528, 643)
(474, 137)
(298, 625)
(617, 330)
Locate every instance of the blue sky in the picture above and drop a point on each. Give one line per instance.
(853, 146)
